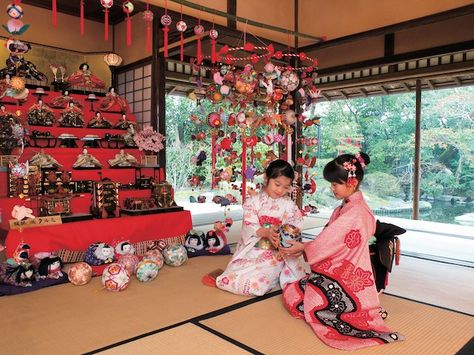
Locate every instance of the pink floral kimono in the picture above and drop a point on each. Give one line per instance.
(253, 271)
(339, 298)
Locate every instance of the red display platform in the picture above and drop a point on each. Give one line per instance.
(79, 235)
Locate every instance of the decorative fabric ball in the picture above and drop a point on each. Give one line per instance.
(115, 277)
(289, 232)
(289, 81)
(213, 34)
(181, 26)
(147, 270)
(107, 3)
(130, 262)
(214, 120)
(156, 256)
(175, 255)
(166, 20)
(80, 273)
(128, 7)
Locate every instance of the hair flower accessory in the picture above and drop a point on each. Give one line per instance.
(361, 160)
(351, 172)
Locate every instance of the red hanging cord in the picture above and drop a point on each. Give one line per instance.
(55, 13)
(181, 40)
(106, 24)
(165, 21)
(129, 30)
(81, 20)
(148, 19)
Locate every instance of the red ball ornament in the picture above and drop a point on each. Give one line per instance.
(148, 15)
(107, 3)
(214, 120)
(198, 29)
(213, 34)
(181, 26)
(166, 20)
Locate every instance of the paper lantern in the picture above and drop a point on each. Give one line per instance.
(175, 255)
(130, 262)
(113, 59)
(80, 273)
(156, 256)
(147, 270)
(289, 232)
(115, 278)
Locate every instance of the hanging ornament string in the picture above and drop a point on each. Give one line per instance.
(55, 13)
(181, 26)
(213, 34)
(128, 8)
(148, 17)
(107, 4)
(198, 31)
(165, 21)
(81, 20)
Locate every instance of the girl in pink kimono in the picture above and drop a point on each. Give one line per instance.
(339, 299)
(257, 265)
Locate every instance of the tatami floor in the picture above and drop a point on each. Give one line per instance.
(431, 303)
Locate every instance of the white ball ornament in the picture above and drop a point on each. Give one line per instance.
(107, 3)
(181, 26)
(147, 270)
(115, 278)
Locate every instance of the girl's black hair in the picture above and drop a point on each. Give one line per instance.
(334, 170)
(212, 234)
(279, 168)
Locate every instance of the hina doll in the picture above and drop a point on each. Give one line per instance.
(44, 160)
(50, 267)
(86, 160)
(71, 116)
(123, 159)
(339, 299)
(113, 102)
(62, 101)
(98, 121)
(123, 123)
(7, 116)
(257, 265)
(40, 115)
(84, 78)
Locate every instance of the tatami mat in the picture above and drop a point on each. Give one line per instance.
(267, 327)
(69, 319)
(186, 339)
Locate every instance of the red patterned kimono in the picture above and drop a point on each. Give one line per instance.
(339, 298)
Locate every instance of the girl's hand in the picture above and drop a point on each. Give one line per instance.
(294, 250)
(271, 234)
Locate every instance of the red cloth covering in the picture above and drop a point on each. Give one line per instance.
(79, 235)
(339, 299)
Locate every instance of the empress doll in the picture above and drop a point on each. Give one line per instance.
(84, 78)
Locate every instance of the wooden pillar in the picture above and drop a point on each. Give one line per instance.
(158, 93)
(232, 10)
(417, 162)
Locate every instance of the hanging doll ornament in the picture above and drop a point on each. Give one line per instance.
(148, 17)
(107, 4)
(213, 34)
(166, 21)
(15, 26)
(128, 8)
(198, 31)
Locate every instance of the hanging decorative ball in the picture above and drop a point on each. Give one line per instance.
(198, 30)
(175, 255)
(148, 15)
(80, 273)
(181, 26)
(289, 81)
(213, 34)
(115, 277)
(166, 20)
(147, 270)
(214, 120)
(107, 3)
(14, 11)
(128, 7)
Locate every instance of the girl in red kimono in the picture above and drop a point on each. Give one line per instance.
(338, 298)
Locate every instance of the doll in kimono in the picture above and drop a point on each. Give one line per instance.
(40, 115)
(113, 102)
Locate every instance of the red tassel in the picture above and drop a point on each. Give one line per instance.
(213, 51)
(148, 37)
(181, 47)
(165, 40)
(199, 53)
(106, 28)
(129, 31)
(81, 21)
(55, 12)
